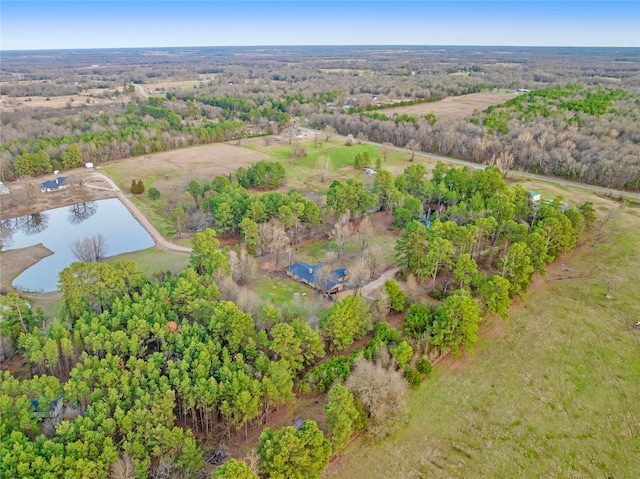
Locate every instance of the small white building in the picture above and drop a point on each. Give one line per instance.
(3, 189)
(88, 165)
(534, 196)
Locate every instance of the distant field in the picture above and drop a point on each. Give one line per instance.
(552, 392)
(171, 171)
(454, 107)
(56, 102)
(94, 96)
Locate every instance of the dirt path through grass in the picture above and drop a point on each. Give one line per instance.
(160, 240)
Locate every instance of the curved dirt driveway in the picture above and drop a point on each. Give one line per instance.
(159, 240)
(369, 289)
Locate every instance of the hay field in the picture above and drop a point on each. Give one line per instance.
(454, 107)
(171, 171)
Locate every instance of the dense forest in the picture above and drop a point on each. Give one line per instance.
(136, 369)
(554, 128)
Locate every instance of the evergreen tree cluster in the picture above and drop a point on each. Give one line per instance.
(137, 187)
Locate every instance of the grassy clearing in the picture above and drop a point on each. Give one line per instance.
(153, 260)
(553, 392)
(280, 291)
(303, 173)
(155, 212)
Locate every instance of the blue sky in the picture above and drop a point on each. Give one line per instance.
(115, 24)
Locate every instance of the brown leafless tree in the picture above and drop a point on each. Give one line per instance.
(341, 233)
(328, 131)
(380, 389)
(364, 234)
(244, 267)
(413, 146)
(90, 249)
(359, 274)
(323, 164)
(386, 150)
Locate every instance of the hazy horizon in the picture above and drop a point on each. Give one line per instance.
(55, 25)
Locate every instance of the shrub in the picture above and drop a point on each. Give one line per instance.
(153, 194)
(137, 187)
(396, 296)
(424, 366)
(413, 377)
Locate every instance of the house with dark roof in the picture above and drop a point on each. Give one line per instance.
(56, 184)
(316, 277)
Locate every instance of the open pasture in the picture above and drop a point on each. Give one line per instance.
(171, 171)
(452, 108)
(551, 392)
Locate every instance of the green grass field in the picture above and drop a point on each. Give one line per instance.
(303, 172)
(280, 292)
(154, 260)
(552, 392)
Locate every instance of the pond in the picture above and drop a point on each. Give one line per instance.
(60, 228)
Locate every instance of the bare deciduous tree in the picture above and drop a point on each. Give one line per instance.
(380, 306)
(290, 131)
(273, 238)
(505, 163)
(30, 193)
(299, 151)
(386, 150)
(244, 267)
(123, 468)
(365, 231)
(329, 131)
(413, 145)
(324, 165)
(380, 389)
(359, 274)
(79, 183)
(341, 233)
(349, 141)
(90, 249)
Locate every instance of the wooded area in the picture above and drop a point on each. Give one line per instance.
(553, 127)
(139, 376)
(146, 363)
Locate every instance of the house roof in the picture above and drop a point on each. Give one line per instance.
(307, 272)
(304, 271)
(54, 184)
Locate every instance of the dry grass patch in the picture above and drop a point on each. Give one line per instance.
(454, 107)
(171, 171)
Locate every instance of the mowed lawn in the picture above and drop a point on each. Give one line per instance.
(552, 392)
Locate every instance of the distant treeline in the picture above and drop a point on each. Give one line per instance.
(585, 134)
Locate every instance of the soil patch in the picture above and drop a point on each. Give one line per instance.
(19, 202)
(16, 261)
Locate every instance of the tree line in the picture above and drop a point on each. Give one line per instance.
(584, 134)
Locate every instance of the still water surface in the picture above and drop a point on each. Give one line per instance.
(57, 229)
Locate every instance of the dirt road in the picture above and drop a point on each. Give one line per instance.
(160, 240)
(369, 289)
(513, 173)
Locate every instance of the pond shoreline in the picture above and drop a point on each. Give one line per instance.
(60, 228)
(15, 261)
